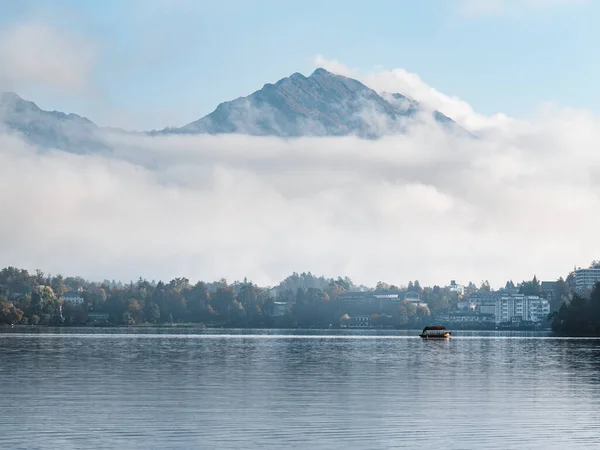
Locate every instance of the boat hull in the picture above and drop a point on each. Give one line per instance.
(437, 337)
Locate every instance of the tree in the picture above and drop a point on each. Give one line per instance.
(197, 302)
(577, 320)
(135, 312)
(485, 287)
(37, 304)
(532, 287)
(58, 286)
(417, 287)
(594, 309)
(152, 313)
(423, 312)
(177, 305)
(9, 314)
(437, 299)
(81, 316)
(222, 301)
(334, 290)
(248, 296)
(470, 289)
(560, 295)
(381, 286)
(401, 316)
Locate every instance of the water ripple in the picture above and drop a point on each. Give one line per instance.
(319, 390)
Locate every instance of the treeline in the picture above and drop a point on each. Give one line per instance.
(306, 300)
(300, 300)
(580, 316)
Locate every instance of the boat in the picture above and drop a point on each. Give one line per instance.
(435, 333)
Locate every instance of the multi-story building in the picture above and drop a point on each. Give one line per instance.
(506, 305)
(486, 308)
(470, 317)
(483, 303)
(586, 278)
(520, 308)
(72, 297)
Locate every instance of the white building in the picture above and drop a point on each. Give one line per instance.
(517, 308)
(470, 317)
(458, 288)
(586, 278)
(486, 308)
(72, 297)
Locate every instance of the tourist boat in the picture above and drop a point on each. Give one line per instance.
(435, 333)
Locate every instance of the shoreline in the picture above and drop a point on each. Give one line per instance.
(218, 327)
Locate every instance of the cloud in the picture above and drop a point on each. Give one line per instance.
(471, 8)
(424, 206)
(39, 55)
(411, 85)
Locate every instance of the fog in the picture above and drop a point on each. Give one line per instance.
(520, 201)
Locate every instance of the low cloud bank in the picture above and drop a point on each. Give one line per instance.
(425, 206)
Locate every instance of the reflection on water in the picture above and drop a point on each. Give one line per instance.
(224, 389)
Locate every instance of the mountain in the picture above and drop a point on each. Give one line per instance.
(53, 129)
(323, 104)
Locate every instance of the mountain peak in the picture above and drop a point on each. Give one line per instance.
(320, 72)
(48, 128)
(11, 100)
(323, 104)
(9, 96)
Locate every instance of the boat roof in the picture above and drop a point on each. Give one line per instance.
(434, 328)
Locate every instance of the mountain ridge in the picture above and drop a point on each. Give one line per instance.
(322, 104)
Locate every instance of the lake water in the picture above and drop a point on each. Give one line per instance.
(168, 389)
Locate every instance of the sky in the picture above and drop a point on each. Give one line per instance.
(147, 64)
(522, 200)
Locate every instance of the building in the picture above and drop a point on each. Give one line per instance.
(586, 279)
(369, 302)
(356, 322)
(465, 305)
(97, 317)
(486, 308)
(520, 308)
(470, 317)
(458, 288)
(483, 303)
(505, 306)
(415, 299)
(72, 297)
(377, 302)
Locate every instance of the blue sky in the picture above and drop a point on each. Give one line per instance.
(158, 62)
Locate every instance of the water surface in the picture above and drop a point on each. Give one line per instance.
(241, 389)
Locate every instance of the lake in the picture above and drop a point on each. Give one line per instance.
(243, 389)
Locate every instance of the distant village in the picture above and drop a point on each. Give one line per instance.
(508, 307)
(503, 308)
